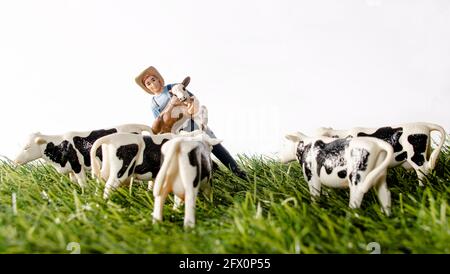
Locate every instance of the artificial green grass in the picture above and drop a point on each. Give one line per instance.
(270, 213)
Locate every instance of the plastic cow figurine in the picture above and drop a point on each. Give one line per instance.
(358, 163)
(69, 152)
(411, 143)
(128, 156)
(186, 167)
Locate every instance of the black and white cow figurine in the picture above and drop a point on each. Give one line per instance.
(69, 152)
(128, 156)
(411, 143)
(359, 163)
(187, 166)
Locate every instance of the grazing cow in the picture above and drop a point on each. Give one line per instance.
(359, 163)
(69, 152)
(176, 113)
(127, 156)
(186, 167)
(411, 143)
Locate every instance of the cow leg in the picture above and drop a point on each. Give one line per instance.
(72, 177)
(158, 206)
(81, 179)
(105, 164)
(189, 208)
(150, 185)
(356, 196)
(110, 185)
(314, 187)
(357, 183)
(384, 195)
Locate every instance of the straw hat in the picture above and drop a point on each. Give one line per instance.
(150, 71)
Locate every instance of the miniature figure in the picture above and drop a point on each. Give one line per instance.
(359, 163)
(411, 143)
(186, 167)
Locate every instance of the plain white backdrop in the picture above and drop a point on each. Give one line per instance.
(263, 68)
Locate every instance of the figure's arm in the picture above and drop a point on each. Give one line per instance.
(155, 110)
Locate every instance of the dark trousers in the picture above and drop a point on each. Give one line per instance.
(218, 150)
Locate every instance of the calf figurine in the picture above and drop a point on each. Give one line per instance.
(69, 152)
(358, 163)
(186, 167)
(177, 112)
(411, 143)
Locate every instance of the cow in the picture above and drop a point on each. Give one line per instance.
(186, 168)
(358, 163)
(69, 152)
(411, 143)
(128, 156)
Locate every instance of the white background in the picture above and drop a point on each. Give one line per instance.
(262, 68)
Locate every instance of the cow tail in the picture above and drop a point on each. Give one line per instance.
(435, 154)
(93, 155)
(378, 170)
(160, 179)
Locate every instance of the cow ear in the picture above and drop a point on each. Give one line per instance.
(186, 81)
(293, 137)
(40, 141)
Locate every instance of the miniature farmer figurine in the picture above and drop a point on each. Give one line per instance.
(151, 81)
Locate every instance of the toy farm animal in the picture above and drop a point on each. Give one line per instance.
(186, 167)
(358, 163)
(177, 112)
(128, 156)
(411, 143)
(69, 152)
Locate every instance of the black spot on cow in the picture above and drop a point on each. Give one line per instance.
(152, 157)
(354, 179)
(331, 155)
(62, 154)
(199, 159)
(360, 159)
(84, 144)
(126, 153)
(342, 174)
(419, 143)
(302, 153)
(401, 157)
(388, 134)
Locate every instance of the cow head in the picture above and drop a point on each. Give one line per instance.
(288, 151)
(179, 90)
(32, 149)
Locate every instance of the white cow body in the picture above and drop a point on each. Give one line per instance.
(358, 163)
(186, 167)
(411, 143)
(129, 156)
(69, 152)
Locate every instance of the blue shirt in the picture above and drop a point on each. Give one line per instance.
(159, 102)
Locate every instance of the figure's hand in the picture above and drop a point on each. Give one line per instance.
(193, 106)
